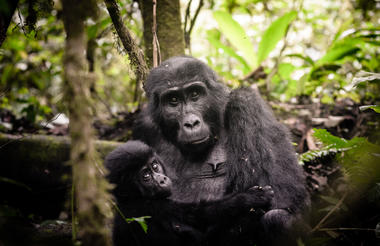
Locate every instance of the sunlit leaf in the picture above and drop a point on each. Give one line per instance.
(376, 108)
(341, 49)
(228, 50)
(328, 139)
(363, 76)
(358, 156)
(236, 36)
(275, 32)
(94, 30)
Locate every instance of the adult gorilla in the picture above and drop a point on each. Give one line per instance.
(216, 142)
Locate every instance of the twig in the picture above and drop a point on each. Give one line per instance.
(187, 15)
(21, 21)
(135, 54)
(187, 31)
(156, 44)
(329, 213)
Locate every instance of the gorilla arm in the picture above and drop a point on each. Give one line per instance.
(260, 153)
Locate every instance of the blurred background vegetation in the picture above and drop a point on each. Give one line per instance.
(298, 49)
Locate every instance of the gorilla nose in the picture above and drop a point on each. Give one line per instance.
(192, 122)
(164, 181)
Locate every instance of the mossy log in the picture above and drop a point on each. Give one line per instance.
(44, 149)
(34, 173)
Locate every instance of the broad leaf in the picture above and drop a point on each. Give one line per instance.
(236, 35)
(363, 76)
(228, 50)
(376, 108)
(341, 49)
(275, 32)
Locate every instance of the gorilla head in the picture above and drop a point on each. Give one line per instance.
(137, 172)
(186, 102)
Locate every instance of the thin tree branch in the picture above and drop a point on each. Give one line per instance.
(187, 31)
(329, 213)
(136, 56)
(156, 44)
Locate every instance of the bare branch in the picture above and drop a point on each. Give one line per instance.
(187, 31)
(156, 44)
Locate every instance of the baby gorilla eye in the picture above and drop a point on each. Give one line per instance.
(155, 166)
(146, 176)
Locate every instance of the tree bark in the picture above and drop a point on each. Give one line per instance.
(7, 8)
(90, 187)
(169, 29)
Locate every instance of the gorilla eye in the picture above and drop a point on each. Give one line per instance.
(155, 166)
(173, 101)
(146, 176)
(194, 95)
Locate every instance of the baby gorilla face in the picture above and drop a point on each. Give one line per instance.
(152, 180)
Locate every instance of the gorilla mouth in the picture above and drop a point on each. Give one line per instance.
(199, 141)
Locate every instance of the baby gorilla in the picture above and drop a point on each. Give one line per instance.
(142, 188)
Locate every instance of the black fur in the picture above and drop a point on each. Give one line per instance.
(245, 137)
(172, 223)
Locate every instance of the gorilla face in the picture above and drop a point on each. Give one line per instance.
(183, 108)
(186, 103)
(152, 180)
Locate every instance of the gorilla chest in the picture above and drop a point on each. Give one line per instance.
(203, 181)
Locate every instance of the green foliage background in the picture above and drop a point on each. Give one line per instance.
(306, 48)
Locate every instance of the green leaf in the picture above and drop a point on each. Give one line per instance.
(363, 76)
(285, 70)
(229, 51)
(141, 221)
(376, 108)
(92, 31)
(236, 36)
(328, 139)
(341, 49)
(359, 157)
(275, 32)
(338, 53)
(305, 58)
(344, 26)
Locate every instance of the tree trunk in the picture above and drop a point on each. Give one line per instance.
(90, 187)
(169, 28)
(7, 8)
